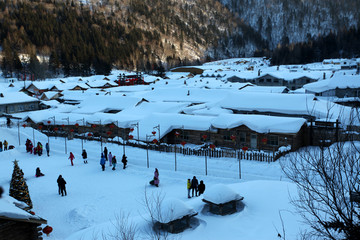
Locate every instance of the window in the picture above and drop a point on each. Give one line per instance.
(273, 140)
(185, 135)
(268, 80)
(261, 80)
(242, 137)
(226, 136)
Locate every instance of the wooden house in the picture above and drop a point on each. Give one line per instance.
(14, 102)
(18, 224)
(222, 200)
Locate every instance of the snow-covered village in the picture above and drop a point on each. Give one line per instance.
(203, 152)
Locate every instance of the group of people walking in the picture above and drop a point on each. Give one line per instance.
(193, 186)
(105, 156)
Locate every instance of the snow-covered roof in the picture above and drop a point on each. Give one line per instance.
(264, 89)
(259, 123)
(15, 97)
(8, 209)
(172, 209)
(221, 193)
(337, 81)
(105, 103)
(296, 104)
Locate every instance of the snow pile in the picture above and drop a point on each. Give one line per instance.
(172, 209)
(220, 194)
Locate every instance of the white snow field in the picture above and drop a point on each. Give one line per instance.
(96, 198)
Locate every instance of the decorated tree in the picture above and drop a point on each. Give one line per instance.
(18, 187)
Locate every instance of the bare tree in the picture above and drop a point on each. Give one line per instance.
(326, 176)
(153, 206)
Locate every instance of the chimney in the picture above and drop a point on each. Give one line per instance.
(324, 75)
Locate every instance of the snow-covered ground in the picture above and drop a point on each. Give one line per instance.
(96, 198)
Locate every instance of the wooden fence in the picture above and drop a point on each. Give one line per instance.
(216, 153)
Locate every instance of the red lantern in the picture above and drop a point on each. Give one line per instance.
(177, 134)
(48, 122)
(131, 136)
(32, 213)
(89, 134)
(108, 133)
(62, 125)
(183, 143)
(131, 129)
(55, 129)
(245, 149)
(76, 125)
(233, 138)
(112, 126)
(47, 230)
(264, 140)
(212, 146)
(24, 125)
(153, 132)
(93, 126)
(71, 130)
(204, 136)
(155, 141)
(40, 127)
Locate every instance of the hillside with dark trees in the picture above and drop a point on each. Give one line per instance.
(47, 38)
(78, 39)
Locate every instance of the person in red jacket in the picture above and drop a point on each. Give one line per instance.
(71, 157)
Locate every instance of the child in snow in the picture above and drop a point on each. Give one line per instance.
(38, 173)
(71, 157)
(201, 187)
(113, 160)
(188, 186)
(156, 180)
(102, 162)
(110, 159)
(84, 155)
(124, 161)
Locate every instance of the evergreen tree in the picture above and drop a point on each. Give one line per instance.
(18, 187)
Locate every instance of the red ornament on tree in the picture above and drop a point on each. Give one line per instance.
(183, 143)
(131, 136)
(47, 230)
(153, 132)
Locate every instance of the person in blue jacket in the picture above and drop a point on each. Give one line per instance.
(102, 161)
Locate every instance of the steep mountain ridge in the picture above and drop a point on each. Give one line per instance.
(292, 21)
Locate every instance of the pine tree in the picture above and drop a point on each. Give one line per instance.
(18, 187)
